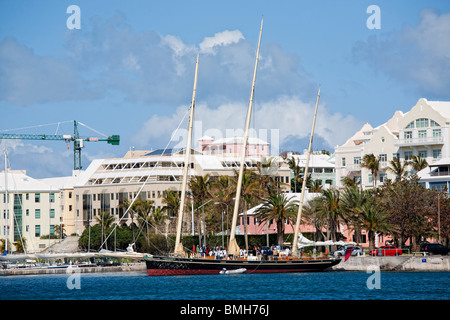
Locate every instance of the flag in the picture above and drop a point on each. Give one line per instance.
(348, 253)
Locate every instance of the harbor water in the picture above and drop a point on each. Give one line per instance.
(332, 285)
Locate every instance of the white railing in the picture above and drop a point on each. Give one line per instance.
(419, 141)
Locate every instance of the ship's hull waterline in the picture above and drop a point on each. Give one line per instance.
(163, 266)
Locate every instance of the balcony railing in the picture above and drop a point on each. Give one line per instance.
(419, 141)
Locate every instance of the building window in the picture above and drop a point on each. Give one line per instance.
(437, 153)
(434, 123)
(407, 135)
(370, 178)
(422, 134)
(408, 155)
(395, 155)
(383, 157)
(52, 213)
(436, 132)
(410, 125)
(343, 161)
(421, 123)
(27, 196)
(37, 197)
(52, 197)
(37, 213)
(37, 230)
(356, 160)
(423, 153)
(52, 229)
(382, 177)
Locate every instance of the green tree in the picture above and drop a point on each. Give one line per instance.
(374, 219)
(105, 220)
(371, 162)
(280, 208)
(199, 186)
(398, 168)
(410, 206)
(249, 192)
(418, 163)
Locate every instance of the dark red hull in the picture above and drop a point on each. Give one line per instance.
(164, 266)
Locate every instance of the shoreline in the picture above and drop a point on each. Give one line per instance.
(354, 263)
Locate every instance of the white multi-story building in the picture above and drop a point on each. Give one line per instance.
(321, 166)
(32, 212)
(379, 141)
(422, 131)
(108, 182)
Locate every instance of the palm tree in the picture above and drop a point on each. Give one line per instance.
(143, 212)
(348, 182)
(171, 200)
(398, 168)
(21, 244)
(353, 200)
(265, 175)
(222, 192)
(280, 208)
(371, 162)
(105, 220)
(158, 217)
(296, 170)
(328, 208)
(315, 186)
(418, 163)
(250, 189)
(373, 219)
(199, 186)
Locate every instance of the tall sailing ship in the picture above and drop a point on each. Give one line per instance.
(181, 264)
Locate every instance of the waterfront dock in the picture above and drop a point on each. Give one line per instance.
(128, 267)
(354, 263)
(398, 263)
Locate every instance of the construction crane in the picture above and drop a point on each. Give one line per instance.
(78, 142)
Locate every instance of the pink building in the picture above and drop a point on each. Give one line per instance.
(232, 147)
(256, 227)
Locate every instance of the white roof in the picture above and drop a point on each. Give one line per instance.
(315, 160)
(443, 107)
(18, 181)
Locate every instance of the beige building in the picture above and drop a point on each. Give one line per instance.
(422, 131)
(33, 211)
(379, 141)
(106, 183)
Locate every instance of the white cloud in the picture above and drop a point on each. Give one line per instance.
(28, 78)
(223, 38)
(418, 57)
(279, 119)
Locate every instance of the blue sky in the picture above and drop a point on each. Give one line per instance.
(129, 70)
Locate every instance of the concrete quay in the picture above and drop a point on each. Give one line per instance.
(136, 267)
(398, 263)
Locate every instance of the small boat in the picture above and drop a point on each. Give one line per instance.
(235, 271)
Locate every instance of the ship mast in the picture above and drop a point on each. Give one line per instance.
(7, 203)
(233, 247)
(305, 175)
(178, 245)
